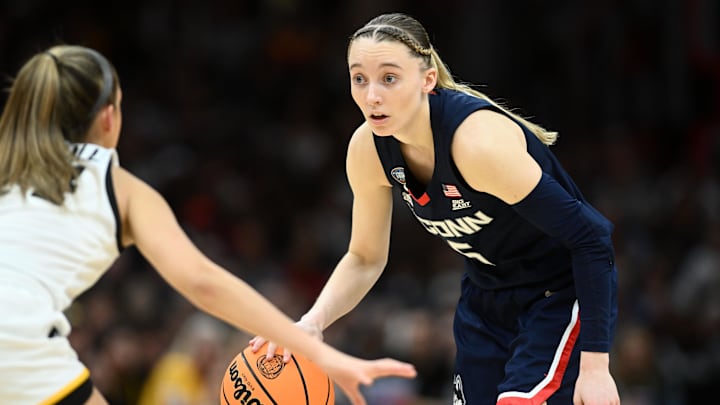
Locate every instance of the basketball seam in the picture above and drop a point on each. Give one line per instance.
(222, 388)
(327, 399)
(257, 379)
(302, 378)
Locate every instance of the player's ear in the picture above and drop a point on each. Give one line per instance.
(107, 118)
(429, 80)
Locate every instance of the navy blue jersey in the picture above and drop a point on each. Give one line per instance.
(502, 249)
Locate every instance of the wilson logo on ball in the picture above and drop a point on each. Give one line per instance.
(253, 378)
(239, 389)
(270, 368)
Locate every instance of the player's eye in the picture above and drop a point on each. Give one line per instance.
(390, 79)
(358, 79)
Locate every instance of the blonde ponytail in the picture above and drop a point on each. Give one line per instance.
(446, 81)
(52, 101)
(407, 30)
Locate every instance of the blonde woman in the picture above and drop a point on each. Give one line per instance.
(67, 210)
(536, 317)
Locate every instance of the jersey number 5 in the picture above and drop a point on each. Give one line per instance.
(466, 250)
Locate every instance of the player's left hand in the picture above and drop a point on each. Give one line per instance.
(350, 373)
(595, 387)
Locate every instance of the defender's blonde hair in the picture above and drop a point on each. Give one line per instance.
(53, 100)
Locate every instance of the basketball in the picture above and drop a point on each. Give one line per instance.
(253, 379)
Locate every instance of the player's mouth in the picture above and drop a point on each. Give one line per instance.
(378, 119)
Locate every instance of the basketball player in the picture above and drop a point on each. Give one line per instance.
(67, 210)
(536, 316)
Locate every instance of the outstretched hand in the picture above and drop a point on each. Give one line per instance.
(348, 372)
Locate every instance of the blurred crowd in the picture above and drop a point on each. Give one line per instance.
(239, 113)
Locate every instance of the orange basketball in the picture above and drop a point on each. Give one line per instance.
(253, 379)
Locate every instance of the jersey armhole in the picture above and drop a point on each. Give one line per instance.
(114, 205)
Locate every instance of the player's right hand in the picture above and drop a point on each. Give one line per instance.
(304, 323)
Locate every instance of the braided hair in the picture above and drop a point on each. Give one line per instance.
(407, 30)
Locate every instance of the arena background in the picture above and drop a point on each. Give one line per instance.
(239, 113)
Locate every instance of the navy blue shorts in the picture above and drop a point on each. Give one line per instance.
(516, 346)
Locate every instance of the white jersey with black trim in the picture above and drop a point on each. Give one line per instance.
(61, 251)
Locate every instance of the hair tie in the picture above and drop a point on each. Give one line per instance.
(54, 58)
